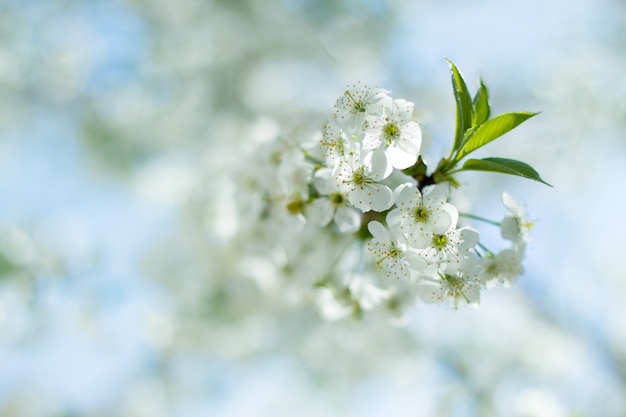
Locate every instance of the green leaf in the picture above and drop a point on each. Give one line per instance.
(419, 168)
(481, 105)
(493, 129)
(504, 166)
(464, 108)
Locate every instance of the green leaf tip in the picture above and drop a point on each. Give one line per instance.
(492, 129)
(503, 166)
(464, 106)
(482, 109)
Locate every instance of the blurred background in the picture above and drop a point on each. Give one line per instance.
(122, 124)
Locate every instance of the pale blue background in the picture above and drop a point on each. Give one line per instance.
(562, 58)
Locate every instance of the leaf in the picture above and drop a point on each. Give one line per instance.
(419, 168)
(464, 108)
(504, 166)
(481, 105)
(493, 129)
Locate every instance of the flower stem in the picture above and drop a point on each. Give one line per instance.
(311, 158)
(482, 219)
(483, 247)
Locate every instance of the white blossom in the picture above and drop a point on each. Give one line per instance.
(336, 143)
(347, 181)
(450, 248)
(503, 268)
(358, 178)
(333, 204)
(397, 133)
(460, 286)
(516, 225)
(392, 253)
(358, 104)
(420, 215)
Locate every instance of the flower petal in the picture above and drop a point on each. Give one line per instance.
(319, 212)
(382, 197)
(347, 219)
(377, 165)
(325, 181)
(378, 231)
(399, 157)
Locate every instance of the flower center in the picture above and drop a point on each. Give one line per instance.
(452, 280)
(391, 252)
(394, 252)
(456, 286)
(528, 225)
(358, 106)
(358, 177)
(337, 199)
(390, 132)
(295, 206)
(440, 241)
(492, 269)
(421, 214)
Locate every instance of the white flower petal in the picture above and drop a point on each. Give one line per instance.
(509, 228)
(415, 261)
(319, 212)
(400, 158)
(413, 130)
(512, 205)
(441, 221)
(347, 219)
(395, 268)
(468, 239)
(372, 140)
(375, 197)
(378, 231)
(431, 291)
(453, 212)
(437, 194)
(420, 239)
(404, 193)
(394, 217)
(377, 165)
(325, 181)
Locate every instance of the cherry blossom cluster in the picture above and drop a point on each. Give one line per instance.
(364, 180)
(372, 136)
